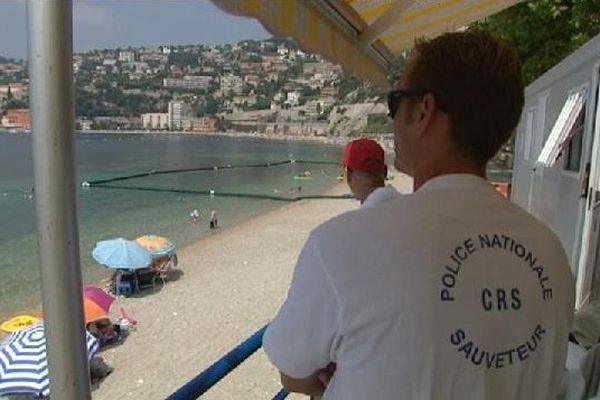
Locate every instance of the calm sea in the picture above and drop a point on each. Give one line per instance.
(108, 213)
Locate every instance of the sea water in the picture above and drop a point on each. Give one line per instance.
(108, 213)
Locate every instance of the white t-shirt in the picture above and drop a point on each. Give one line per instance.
(451, 292)
(380, 196)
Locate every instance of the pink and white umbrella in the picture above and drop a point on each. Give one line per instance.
(100, 297)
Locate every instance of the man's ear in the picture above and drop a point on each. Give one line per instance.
(424, 112)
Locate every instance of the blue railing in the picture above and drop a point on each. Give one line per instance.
(213, 374)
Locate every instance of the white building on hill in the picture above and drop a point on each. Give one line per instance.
(126, 56)
(180, 115)
(155, 120)
(232, 83)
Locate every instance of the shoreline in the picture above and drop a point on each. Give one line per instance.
(329, 140)
(337, 141)
(37, 309)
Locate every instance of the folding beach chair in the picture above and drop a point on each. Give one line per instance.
(161, 271)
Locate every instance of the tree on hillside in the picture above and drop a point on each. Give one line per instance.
(544, 31)
(211, 107)
(6, 60)
(295, 69)
(397, 68)
(268, 88)
(308, 92)
(262, 103)
(346, 84)
(87, 65)
(183, 59)
(16, 103)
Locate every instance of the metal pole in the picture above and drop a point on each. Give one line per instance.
(213, 374)
(50, 35)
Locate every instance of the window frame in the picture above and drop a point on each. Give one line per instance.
(584, 90)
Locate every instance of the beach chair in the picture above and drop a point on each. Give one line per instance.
(173, 261)
(146, 278)
(126, 316)
(161, 271)
(126, 284)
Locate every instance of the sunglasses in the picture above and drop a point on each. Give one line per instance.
(395, 96)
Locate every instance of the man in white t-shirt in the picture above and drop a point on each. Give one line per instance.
(366, 171)
(452, 292)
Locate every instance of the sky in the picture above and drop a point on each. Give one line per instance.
(101, 24)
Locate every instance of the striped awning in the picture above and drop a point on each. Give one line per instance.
(363, 35)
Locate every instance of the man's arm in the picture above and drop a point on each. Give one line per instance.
(300, 339)
(313, 385)
(310, 385)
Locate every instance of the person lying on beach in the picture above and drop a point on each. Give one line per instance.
(366, 171)
(99, 369)
(106, 331)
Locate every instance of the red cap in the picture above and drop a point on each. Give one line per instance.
(364, 155)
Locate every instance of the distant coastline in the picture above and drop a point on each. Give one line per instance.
(340, 141)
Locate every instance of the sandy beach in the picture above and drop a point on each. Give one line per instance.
(233, 283)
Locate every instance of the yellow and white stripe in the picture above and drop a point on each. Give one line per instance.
(363, 35)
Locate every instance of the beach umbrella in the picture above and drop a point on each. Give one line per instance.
(96, 303)
(18, 323)
(121, 254)
(157, 245)
(23, 364)
(92, 311)
(99, 296)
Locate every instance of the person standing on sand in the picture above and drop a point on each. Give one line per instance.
(451, 292)
(214, 222)
(195, 216)
(364, 164)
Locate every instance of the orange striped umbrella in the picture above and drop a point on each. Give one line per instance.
(156, 245)
(93, 311)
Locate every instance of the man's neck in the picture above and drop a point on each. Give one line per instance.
(368, 190)
(465, 167)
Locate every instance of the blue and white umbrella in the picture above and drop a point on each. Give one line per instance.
(23, 364)
(121, 254)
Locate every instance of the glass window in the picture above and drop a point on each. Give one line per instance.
(528, 134)
(574, 144)
(563, 131)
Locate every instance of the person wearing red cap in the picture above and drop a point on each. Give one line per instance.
(366, 171)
